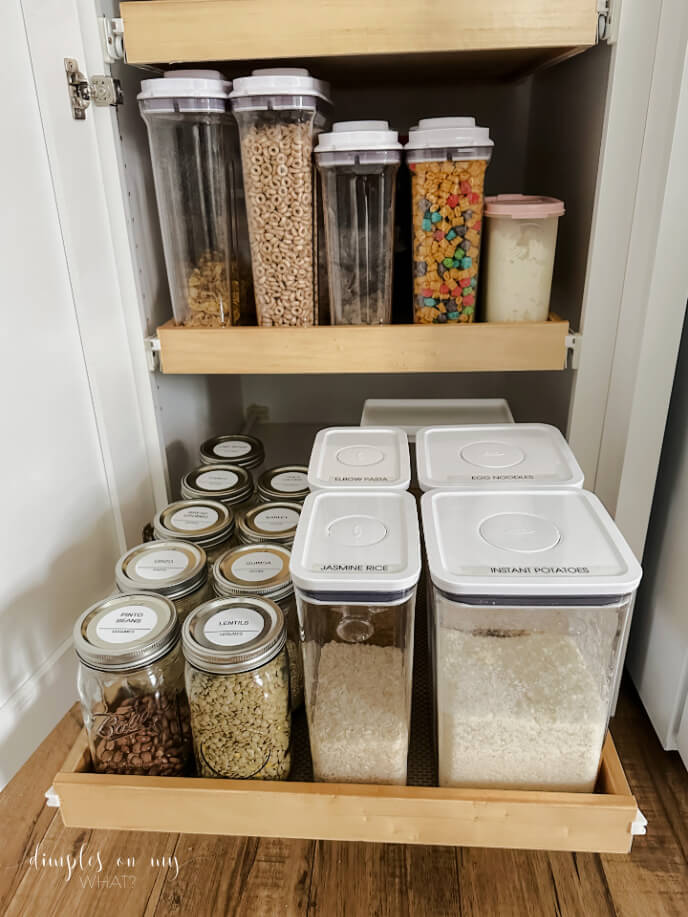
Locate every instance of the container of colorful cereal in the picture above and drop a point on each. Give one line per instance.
(447, 158)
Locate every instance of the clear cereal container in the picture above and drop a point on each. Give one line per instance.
(355, 565)
(197, 173)
(286, 482)
(531, 592)
(224, 482)
(269, 522)
(279, 112)
(235, 448)
(521, 241)
(447, 158)
(358, 163)
(237, 681)
(374, 458)
(206, 523)
(176, 569)
(263, 570)
(131, 686)
(505, 456)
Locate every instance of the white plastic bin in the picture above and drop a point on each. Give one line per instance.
(360, 457)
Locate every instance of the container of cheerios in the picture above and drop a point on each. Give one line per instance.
(447, 158)
(280, 112)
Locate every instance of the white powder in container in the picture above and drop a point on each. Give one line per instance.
(359, 723)
(518, 712)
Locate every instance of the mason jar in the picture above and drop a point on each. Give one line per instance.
(286, 482)
(273, 523)
(176, 569)
(131, 686)
(237, 681)
(205, 523)
(237, 448)
(263, 570)
(228, 484)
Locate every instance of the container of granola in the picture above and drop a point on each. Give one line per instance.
(447, 158)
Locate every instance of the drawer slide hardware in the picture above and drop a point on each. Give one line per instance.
(102, 90)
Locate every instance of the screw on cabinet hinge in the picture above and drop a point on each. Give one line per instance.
(112, 39)
(152, 345)
(101, 90)
(574, 343)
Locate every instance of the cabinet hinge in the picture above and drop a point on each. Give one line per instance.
(152, 345)
(574, 343)
(100, 89)
(112, 39)
(604, 20)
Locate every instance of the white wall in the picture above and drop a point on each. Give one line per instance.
(58, 542)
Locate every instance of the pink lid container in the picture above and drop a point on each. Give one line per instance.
(523, 206)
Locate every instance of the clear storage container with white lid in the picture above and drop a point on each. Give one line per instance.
(358, 163)
(355, 565)
(269, 522)
(285, 482)
(197, 173)
(279, 111)
(235, 448)
(227, 483)
(507, 456)
(360, 457)
(531, 591)
(203, 522)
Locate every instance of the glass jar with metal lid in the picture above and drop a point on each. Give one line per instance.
(226, 483)
(263, 570)
(237, 448)
(269, 523)
(206, 523)
(237, 681)
(176, 569)
(131, 686)
(286, 482)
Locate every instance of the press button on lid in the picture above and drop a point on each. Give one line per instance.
(360, 456)
(520, 532)
(492, 455)
(357, 531)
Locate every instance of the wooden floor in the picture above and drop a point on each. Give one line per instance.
(253, 877)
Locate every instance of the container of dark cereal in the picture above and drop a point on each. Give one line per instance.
(206, 523)
(176, 569)
(447, 158)
(197, 174)
(227, 483)
(269, 523)
(285, 482)
(279, 112)
(235, 448)
(131, 686)
(237, 681)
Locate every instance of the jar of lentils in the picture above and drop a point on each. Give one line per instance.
(205, 523)
(176, 569)
(269, 523)
(131, 686)
(228, 484)
(286, 482)
(237, 681)
(263, 570)
(237, 448)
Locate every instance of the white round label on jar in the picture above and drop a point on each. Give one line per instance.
(233, 627)
(276, 520)
(161, 564)
(194, 518)
(216, 480)
(256, 566)
(232, 449)
(290, 481)
(126, 624)
(360, 456)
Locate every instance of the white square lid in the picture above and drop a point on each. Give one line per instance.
(357, 541)
(525, 543)
(360, 457)
(508, 456)
(412, 414)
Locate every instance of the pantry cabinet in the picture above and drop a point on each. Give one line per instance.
(586, 100)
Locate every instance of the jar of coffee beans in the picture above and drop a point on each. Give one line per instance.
(237, 681)
(131, 686)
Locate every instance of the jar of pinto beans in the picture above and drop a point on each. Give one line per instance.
(447, 158)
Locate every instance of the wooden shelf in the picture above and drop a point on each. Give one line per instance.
(599, 821)
(480, 347)
(244, 30)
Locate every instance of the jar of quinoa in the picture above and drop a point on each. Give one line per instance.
(447, 158)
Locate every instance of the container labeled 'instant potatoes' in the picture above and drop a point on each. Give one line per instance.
(203, 522)
(227, 483)
(269, 522)
(286, 482)
(235, 448)
(176, 569)
(447, 158)
(279, 111)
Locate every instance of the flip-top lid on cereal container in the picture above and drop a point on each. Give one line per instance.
(358, 542)
(505, 456)
(527, 544)
(441, 133)
(360, 457)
